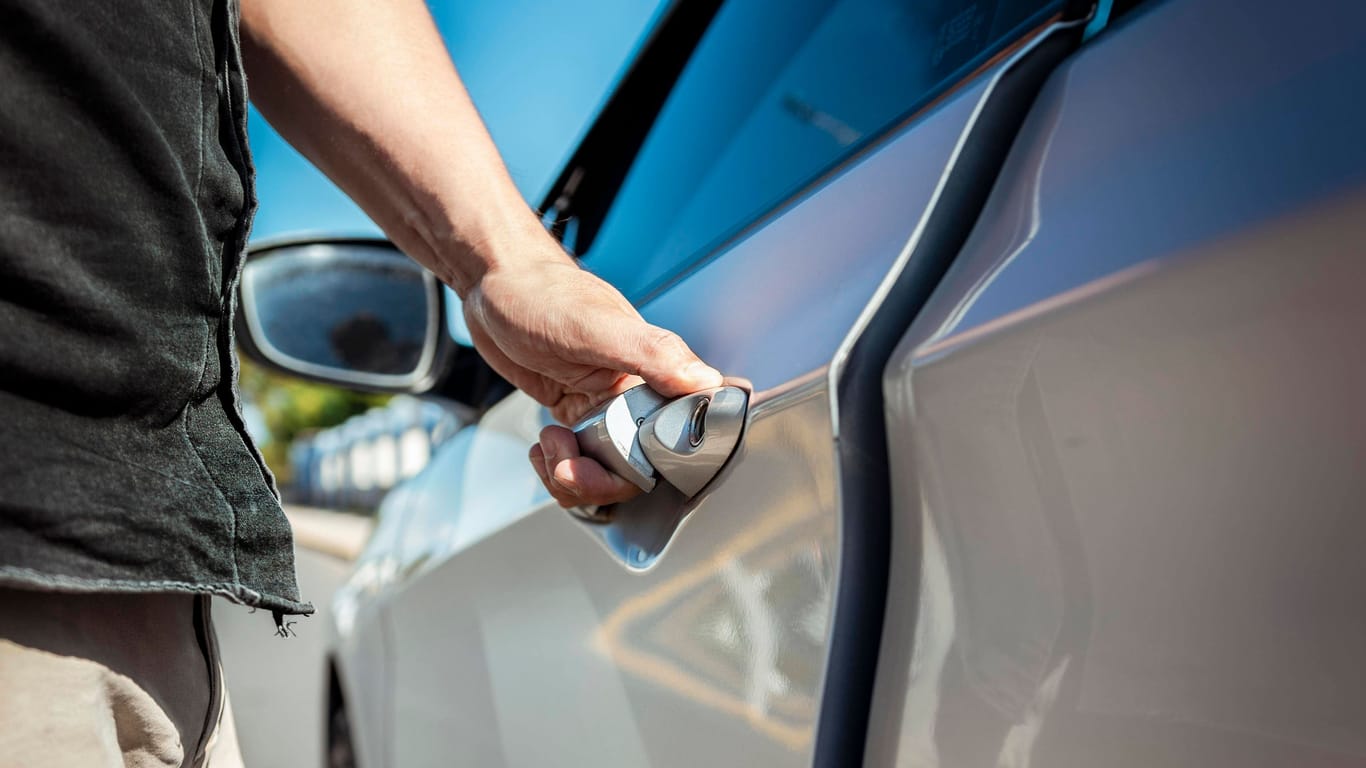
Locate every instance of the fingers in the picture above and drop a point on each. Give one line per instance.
(573, 479)
(571, 407)
(537, 458)
(658, 356)
(592, 483)
(597, 346)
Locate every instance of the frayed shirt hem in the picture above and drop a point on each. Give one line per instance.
(27, 578)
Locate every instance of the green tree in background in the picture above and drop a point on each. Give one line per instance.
(292, 406)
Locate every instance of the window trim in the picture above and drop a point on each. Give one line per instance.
(583, 195)
(588, 185)
(1018, 37)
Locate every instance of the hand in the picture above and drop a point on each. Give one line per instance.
(571, 341)
(574, 479)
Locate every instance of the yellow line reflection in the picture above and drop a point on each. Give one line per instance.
(610, 637)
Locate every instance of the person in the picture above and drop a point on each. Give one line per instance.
(131, 491)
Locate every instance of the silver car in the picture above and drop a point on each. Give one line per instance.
(1055, 450)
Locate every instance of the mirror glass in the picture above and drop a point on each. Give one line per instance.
(357, 313)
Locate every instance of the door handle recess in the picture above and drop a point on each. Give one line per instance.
(644, 437)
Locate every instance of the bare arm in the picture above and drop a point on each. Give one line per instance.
(365, 90)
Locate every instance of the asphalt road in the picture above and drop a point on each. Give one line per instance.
(277, 685)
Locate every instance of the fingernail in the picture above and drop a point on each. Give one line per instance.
(566, 483)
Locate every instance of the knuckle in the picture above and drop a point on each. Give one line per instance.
(661, 339)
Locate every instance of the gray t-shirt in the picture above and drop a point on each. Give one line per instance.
(125, 201)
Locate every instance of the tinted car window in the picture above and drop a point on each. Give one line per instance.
(775, 94)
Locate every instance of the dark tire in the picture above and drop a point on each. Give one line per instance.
(341, 753)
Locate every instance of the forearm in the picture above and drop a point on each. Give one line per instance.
(366, 91)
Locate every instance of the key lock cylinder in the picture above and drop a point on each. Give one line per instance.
(646, 438)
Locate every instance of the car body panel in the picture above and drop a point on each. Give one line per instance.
(527, 626)
(1125, 440)
(359, 649)
(534, 629)
(1129, 423)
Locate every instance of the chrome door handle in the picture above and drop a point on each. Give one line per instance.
(643, 437)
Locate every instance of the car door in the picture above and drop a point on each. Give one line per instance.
(811, 161)
(1129, 421)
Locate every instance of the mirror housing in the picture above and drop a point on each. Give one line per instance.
(356, 313)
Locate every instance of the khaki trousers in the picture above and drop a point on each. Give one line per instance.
(96, 680)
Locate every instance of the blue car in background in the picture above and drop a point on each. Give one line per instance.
(1054, 450)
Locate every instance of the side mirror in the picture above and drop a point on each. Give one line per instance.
(355, 313)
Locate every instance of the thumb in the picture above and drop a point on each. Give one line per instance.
(662, 359)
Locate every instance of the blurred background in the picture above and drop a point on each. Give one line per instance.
(538, 70)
